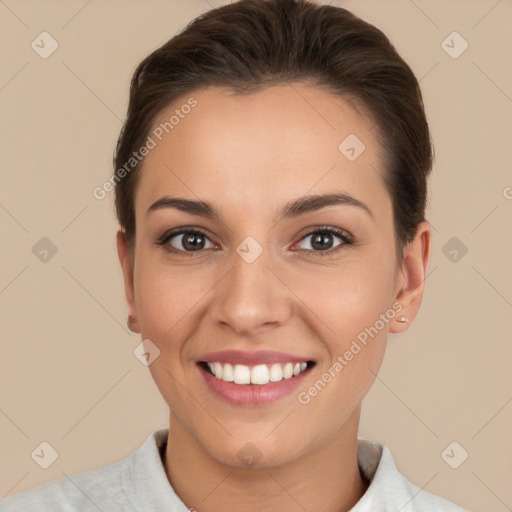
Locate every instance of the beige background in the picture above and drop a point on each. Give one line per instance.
(68, 374)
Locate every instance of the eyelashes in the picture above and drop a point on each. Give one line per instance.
(190, 236)
(331, 232)
(166, 237)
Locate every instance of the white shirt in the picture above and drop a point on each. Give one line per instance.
(138, 483)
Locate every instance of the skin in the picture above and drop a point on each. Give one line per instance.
(249, 156)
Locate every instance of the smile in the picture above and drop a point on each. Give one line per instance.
(260, 374)
(256, 378)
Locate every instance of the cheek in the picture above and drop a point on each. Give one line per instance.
(353, 310)
(166, 301)
(347, 297)
(172, 302)
(364, 314)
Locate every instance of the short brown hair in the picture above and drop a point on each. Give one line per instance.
(253, 44)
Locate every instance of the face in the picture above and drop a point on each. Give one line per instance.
(268, 281)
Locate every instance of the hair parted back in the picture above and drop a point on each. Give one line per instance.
(253, 44)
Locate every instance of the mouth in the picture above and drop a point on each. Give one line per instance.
(259, 375)
(253, 378)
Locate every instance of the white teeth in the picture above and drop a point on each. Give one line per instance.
(276, 373)
(217, 370)
(227, 373)
(260, 374)
(241, 374)
(288, 371)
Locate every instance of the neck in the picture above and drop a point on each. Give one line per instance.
(326, 479)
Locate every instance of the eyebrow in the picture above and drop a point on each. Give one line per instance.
(291, 210)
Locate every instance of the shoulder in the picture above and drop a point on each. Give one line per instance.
(93, 490)
(424, 501)
(389, 489)
(137, 482)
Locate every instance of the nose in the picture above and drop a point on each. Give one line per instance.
(251, 298)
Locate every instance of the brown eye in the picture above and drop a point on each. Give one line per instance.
(185, 241)
(322, 240)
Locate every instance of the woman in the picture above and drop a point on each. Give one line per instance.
(271, 180)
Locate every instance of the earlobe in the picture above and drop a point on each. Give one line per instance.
(413, 273)
(127, 267)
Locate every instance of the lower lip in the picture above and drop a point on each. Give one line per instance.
(253, 394)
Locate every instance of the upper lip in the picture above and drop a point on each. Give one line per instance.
(251, 358)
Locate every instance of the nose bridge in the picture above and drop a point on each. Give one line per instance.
(250, 296)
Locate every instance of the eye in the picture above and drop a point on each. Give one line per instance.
(321, 241)
(184, 241)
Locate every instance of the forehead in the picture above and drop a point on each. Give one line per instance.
(271, 145)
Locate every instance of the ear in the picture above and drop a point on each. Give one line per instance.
(413, 273)
(126, 261)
